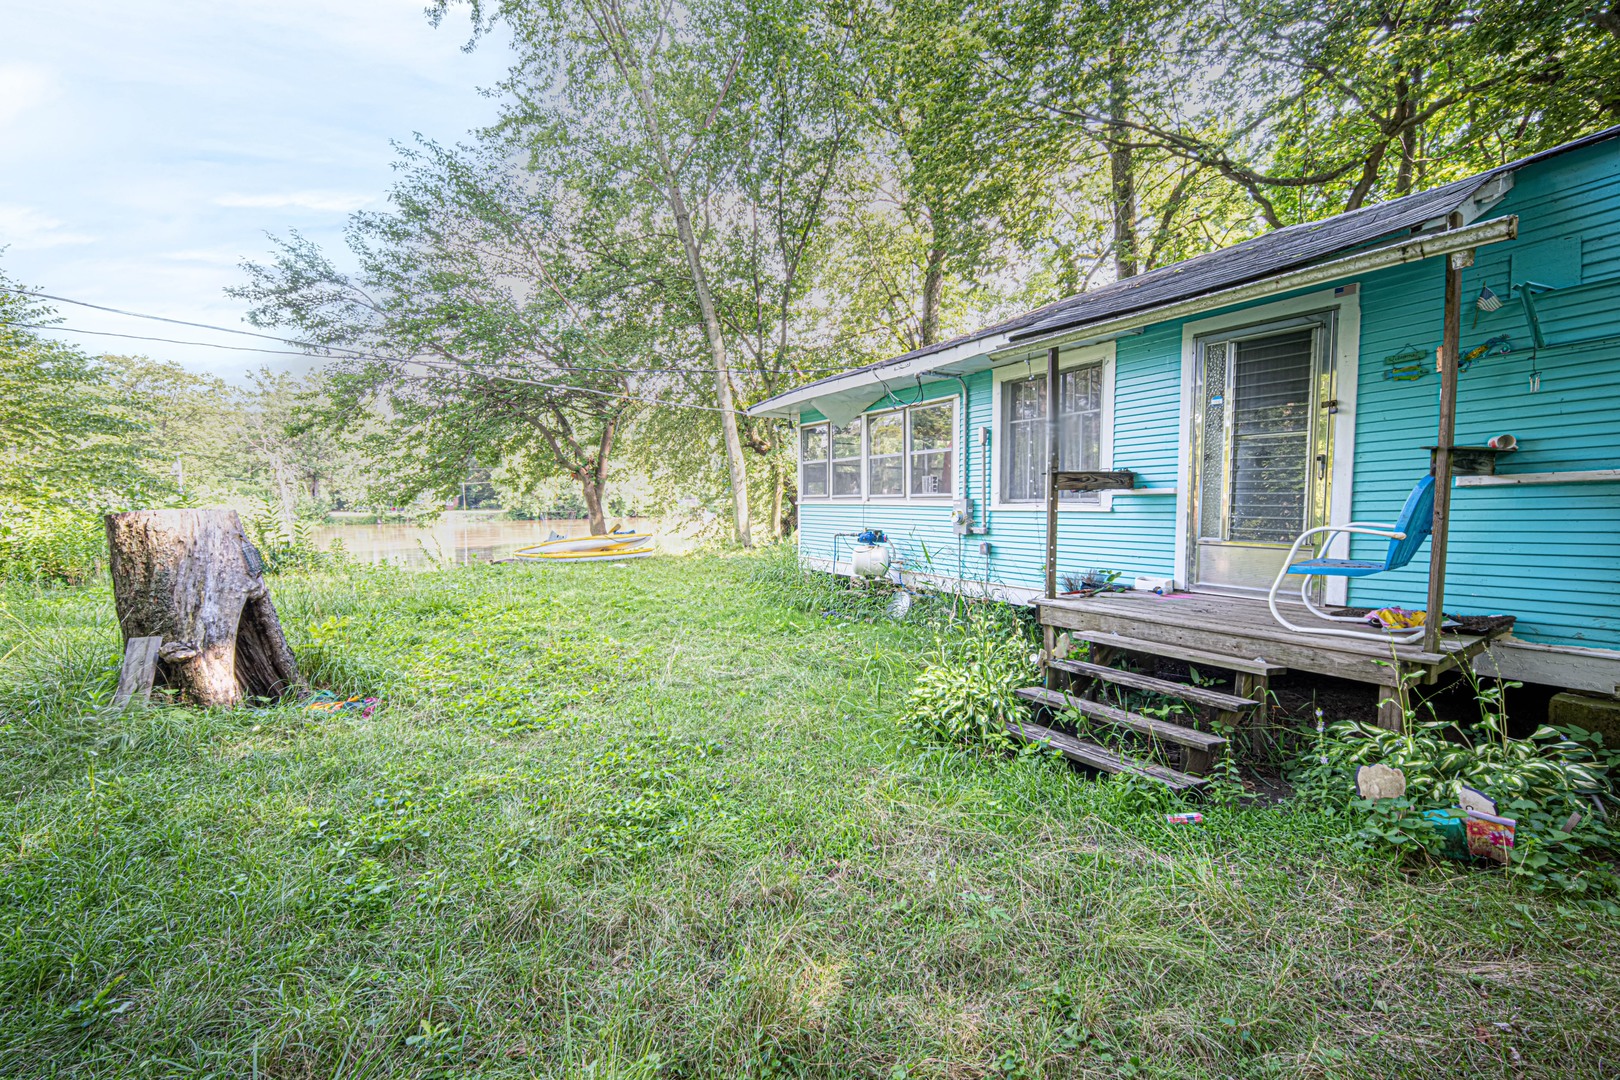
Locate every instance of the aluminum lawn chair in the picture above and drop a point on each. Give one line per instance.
(1405, 537)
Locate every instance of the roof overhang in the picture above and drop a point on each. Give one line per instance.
(845, 397)
(842, 398)
(1415, 249)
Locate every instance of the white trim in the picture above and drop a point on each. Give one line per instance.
(1345, 301)
(1414, 249)
(988, 350)
(1104, 354)
(865, 498)
(1582, 476)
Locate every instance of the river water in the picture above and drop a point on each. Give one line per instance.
(462, 537)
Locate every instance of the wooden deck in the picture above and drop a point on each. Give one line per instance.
(1210, 628)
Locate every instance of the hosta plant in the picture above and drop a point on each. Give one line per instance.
(969, 696)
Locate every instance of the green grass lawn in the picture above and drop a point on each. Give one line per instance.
(659, 821)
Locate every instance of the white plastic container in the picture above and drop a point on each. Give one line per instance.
(869, 561)
(1160, 585)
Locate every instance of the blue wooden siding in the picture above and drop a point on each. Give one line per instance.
(1548, 554)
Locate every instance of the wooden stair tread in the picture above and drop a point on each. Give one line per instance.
(1142, 725)
(1199, 695)
(1091, 754)
(1252, 666)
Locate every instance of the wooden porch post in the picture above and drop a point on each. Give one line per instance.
(1455, 263)
(1051, 470)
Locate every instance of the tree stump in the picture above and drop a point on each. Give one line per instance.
(191, 578)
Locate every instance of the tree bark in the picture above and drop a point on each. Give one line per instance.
(187, 576)
(933, 298)
(593, 505)
(1122, 179)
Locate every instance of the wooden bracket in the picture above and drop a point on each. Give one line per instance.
(138, 673)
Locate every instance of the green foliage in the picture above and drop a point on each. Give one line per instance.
(715, 858)
(1554, 784)
(283, 542)
(968, 695)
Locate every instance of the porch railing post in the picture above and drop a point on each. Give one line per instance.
(1444, 444)
(1051, 470)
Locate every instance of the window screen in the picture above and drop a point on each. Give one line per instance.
(932, 439)
(846, 459)
(813, 461)
(1079, 431)
(885, 454)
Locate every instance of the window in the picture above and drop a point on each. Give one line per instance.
(931, 434)
(886, 454)
(846, 459)
(902, 453)
(1079, 431)
(813, 458)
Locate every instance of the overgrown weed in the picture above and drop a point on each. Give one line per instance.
(662, 822)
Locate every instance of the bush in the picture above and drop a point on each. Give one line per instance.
(1553, 784)
(50, 544)
(968, 695)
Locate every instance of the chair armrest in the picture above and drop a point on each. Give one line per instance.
(1357, 527)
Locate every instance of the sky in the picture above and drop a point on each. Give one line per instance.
(146, 149)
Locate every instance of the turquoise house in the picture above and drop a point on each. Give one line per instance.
(1266, 388)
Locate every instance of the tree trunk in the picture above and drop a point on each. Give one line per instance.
(593, 505)
(1122, 177)
(191, 578)
(933, 298)
(778, 491)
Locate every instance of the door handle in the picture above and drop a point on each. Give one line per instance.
(1321, 466)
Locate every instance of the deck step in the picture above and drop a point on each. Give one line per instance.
(1248, 665)
(1163, 730)
(1098, 758)
(1198, 695)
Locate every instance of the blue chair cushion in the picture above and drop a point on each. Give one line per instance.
(1337, 567)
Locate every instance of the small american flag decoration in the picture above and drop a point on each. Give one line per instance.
(1488, 300)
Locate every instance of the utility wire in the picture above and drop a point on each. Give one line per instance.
(330, 351)
(438, 365)
(166, 341)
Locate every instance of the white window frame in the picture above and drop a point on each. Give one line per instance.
(859, 494)
(1091, 355)
(955, 452)
(826, 462)
(866, 450)
(905, 498)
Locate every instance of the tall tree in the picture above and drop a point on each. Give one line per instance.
(490, 317)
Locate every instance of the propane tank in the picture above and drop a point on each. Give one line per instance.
(869, 561)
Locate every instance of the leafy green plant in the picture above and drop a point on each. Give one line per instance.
(1552, 783)
(969, 695)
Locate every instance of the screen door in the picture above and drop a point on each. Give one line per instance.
(1262, 449)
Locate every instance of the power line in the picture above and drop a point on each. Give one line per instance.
(330, 351)
(166, 341)
(355, 354)
(438, 365)
(157, 318)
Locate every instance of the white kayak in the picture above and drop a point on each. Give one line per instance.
(599, 542)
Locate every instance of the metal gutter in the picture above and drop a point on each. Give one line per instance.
(1416, 249)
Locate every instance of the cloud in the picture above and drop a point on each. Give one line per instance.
(333, 202)
(23, 87)
(25, 229)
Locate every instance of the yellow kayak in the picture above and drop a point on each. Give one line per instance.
(638, 548)
(569, 544)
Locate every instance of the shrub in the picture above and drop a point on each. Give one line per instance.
(1553, 784)
(969, 694)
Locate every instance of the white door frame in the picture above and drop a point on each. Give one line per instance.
(1346, 301)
